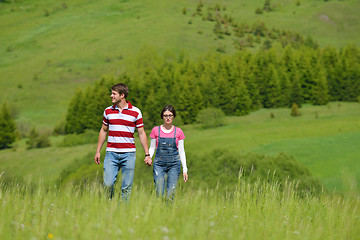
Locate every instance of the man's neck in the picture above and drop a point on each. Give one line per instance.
(122, 104)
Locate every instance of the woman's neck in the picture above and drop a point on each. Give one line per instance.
(167, 126)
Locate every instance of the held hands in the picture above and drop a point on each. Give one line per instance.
(148, 160)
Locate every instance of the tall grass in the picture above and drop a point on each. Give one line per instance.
(258, 211)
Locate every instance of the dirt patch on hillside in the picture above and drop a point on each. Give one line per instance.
(326, 19)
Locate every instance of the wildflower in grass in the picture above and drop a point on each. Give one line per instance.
(50, 236)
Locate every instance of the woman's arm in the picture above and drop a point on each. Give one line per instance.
(182, 155)
(152, 147)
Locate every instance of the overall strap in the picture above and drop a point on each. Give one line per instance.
(159, 130)
(175, 132)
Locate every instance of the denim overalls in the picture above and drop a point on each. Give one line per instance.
(166, 162)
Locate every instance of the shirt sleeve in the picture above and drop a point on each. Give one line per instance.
(139, 121)
(152, 147)
(154, 133)
(180, 134)
(105, 119)
(182, 155)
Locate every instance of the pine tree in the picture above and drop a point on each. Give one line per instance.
(306, 75)
(320, 94)
(329, 60)
(7, 128)
(240, 99)
(296, 92)
(75, 115)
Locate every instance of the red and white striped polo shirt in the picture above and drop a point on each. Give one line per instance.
(122, 126)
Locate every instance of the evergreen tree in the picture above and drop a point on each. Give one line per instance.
(306, 75)
(296, 92)
(7, 128)
(320, 94)
(285, 88)
(349, 73)
(240, 99)
(272, 89)
(252, 87)
(95, 101)
(329, 60)
(75, 121)
(223, 95)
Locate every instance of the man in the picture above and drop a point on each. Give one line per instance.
(119, 122)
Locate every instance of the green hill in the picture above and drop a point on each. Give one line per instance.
(48, 49)
(323, 139)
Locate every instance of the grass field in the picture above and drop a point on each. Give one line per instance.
(258, 211)
(48, 49)
(326, 144)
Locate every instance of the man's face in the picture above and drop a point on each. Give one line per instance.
(116, 97)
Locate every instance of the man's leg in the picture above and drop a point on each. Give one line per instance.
(127, 173)
(111, 170)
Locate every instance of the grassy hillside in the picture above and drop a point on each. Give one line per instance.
(48, 49)
(258, 212)
(323, 139)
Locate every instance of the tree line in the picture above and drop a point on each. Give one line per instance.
(237, 84)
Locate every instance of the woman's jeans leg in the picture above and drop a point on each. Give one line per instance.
(159, 177)
(170, 168)
(112, 164)
(172, 179)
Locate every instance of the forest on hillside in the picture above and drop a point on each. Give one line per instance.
(237, 84)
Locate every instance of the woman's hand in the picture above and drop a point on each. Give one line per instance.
(185, 175)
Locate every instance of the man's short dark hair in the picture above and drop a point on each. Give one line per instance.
(121, 88)
(169, 108)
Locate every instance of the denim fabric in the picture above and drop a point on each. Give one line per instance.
(112, 164)
(166, 166)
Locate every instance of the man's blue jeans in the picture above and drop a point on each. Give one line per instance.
(114, 161)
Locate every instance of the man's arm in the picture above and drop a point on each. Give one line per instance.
(102, 137)
(144, 144)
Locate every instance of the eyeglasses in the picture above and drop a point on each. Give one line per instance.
(168, 116)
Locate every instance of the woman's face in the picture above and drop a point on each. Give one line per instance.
(168, 117)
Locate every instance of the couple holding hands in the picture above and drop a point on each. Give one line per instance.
(167, 142)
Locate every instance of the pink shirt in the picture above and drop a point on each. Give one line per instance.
(155, 134)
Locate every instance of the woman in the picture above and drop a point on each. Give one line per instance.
(168, 141)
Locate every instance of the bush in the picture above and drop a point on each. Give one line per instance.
(295, 110)
(224, 168)
(210, 118)
(37, 140)
(7, 128)
(258, 11)
(89, 136)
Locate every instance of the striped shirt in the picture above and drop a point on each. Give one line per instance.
(122, 126)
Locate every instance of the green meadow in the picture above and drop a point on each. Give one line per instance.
(258, 211)
(323, 139)
(48, 49)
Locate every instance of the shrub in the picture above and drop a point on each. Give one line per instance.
(37, 140)
(59, 129)
(210, 118)
(7, 128)
(89, 136)
(258, 10)
(295, 110)
(224, 168)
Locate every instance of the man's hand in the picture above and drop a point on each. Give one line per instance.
(97, 158)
